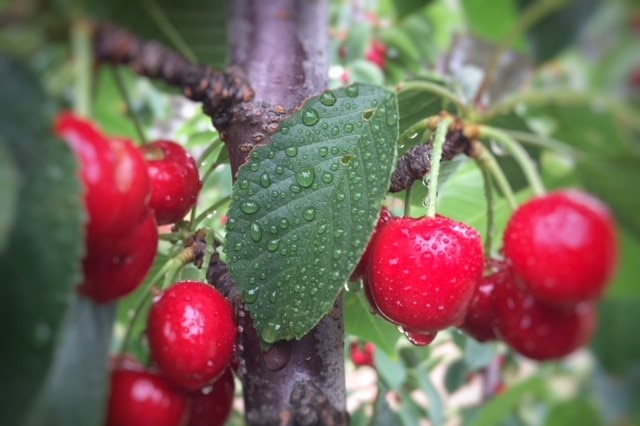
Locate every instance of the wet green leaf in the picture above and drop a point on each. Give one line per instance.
(305, 206)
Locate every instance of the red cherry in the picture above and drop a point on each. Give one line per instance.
(175, 183)
(478, 323)
(211, 406)
(423, 272)
(540, 331)
(377, 54)
(359, 272)
(142, 398)
(362, 355)
(192, 332)
(563, 246)
(114, 176)
(115, 268)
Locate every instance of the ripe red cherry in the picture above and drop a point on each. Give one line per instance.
(115, 268)
(362, 354)
(563, 247)
(175, 183)
(142, 398)
(359, 272)
(377, 54)
(423, 272)
(540, 331)
(114, 175)
(478, 322)
(211, 406)
(192, 333)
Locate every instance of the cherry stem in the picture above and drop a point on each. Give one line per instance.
(541, 141)
(436, 156)
(216, 142)
(215, 206)
(122, 88)
(83, 57)
(435, 89)
(487, 162)
(521, 156)
(491, 222)
(169, 271)
(407, 202)
(413, 132)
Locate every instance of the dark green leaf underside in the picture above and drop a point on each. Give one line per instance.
(306, 204)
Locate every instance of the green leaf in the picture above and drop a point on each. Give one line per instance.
(575, 412)
(457, 375)
(306, 204)
(491, 23)
(436, 404)
(625, 282)
(75, 392)
(478, 355)
(9, 181)
(195, 27)
(392, 372)
(415, 105)
(558, 30)
(614, 180)
(360, 322)
(383, 415)
(407, 7)
(41, 265)
(616, 344)
(501, 406)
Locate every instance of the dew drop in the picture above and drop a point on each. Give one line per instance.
(309, 214)
(291, 151)
(327, 177)
(231, 224)
(352, 91)
(310, 117)
(348, 128)
(254, 167)
(279, 170)
(306, 177)
(250, 296)
(295, 188)
(249, 207)
(284, 223)
(237, 247)
(328, 98)
(243, 184)
(256, 232)
(335, 130)
(265, 180)
(273, 245)
(323, 151)
(420, 338)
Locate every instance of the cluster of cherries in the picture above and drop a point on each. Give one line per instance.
(192, 331)
(427, 274)
(128, 192)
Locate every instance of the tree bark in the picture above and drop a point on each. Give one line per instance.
(281, 47)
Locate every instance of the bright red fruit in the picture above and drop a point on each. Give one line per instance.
(211, 406)
(192, 333)
(115, 267)
(377, 54)
(114, 175)
(563, 247)
(362, 354)
(478, 323)
(423, 272)
(359, 272)
(175, 183)
(540, 331)
(142, 398)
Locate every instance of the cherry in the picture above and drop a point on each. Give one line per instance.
(143, 398)
(211, 406)
(175, 183)
(359, 272)
(563, 247)
(115, 267)
(192, 332)
(478, 323)
(377, 54)
(423, 272)
(362, 355)
(114, 176)
(540, 331)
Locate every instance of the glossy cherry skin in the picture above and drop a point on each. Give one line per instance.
(362, 355)
(563, 247)
(143, 398)
(114, 176)
(478, 322)
(359, 272)
(175, 183)
(540, 331)
(423, 272)
(211, 406)
(114, 268)
(192, 333)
